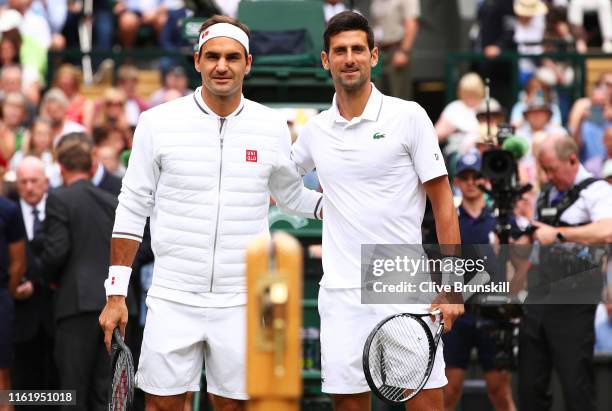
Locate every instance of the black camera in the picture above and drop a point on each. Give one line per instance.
(505, 336)
(499, 165)
(501, 323)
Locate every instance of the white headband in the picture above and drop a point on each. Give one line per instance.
(224, 30)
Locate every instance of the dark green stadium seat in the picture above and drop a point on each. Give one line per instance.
(282, 15)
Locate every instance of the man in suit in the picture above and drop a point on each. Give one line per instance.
(33, 365)
(101, 177)
(78, 225)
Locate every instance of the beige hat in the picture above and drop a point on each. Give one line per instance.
(529, 8)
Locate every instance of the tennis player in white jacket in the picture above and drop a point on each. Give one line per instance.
(202, 167)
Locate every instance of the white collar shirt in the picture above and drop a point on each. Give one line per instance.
(372, 169)
(594, 202)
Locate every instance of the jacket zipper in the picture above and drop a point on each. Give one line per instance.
(222, 128)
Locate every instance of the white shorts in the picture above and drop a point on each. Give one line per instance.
(178, 337)
(345, 326)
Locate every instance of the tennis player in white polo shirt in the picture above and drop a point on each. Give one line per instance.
(377, 157)
(202, 167)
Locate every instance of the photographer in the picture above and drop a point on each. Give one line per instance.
(477, 224)
(572, 208)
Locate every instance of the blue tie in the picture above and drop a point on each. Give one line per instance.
(557, 198)
(37, 224)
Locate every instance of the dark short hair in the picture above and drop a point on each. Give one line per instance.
(74, 152)
(347, 21)
(224, 19)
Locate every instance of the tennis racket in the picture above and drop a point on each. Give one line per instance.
(398, 356)
(121, 393)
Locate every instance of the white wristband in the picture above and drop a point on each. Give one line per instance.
(118, 280)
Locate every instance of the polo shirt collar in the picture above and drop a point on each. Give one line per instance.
(582, 175)
(486, 211)
(197, 96)
(370, 112)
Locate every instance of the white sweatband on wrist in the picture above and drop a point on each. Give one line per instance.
(224, 30)
(118, 280)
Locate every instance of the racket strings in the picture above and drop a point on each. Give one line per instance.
(121, 383)
(399, 358)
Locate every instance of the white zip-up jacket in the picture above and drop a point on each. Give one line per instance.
(205, 182)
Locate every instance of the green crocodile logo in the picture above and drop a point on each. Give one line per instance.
(377, 136)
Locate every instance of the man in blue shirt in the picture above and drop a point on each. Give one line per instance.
(477, 226)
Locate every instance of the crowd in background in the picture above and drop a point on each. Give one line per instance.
(35, 115)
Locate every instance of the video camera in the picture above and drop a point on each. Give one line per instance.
(500, 167)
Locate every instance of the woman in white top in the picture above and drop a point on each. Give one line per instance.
(458, 118)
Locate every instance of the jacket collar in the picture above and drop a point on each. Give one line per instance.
(197, 97)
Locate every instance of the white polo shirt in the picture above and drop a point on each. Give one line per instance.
(593, 204)
(371, 170)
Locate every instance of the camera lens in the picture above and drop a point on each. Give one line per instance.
(499, 164)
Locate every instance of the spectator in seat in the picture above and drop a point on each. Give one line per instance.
(174, 80)
(10, 46)
(589, 134)
(55, 13)
(111, 111)
(54, 106)
(582, 104)
(36, 35)
(127, 82)
(80, 109)
(534, 89)
(39, 143)
(162, 15)
(538, 121)
(458, 119)
(14, 116)
(109, 158)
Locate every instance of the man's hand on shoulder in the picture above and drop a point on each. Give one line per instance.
(114, 314)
